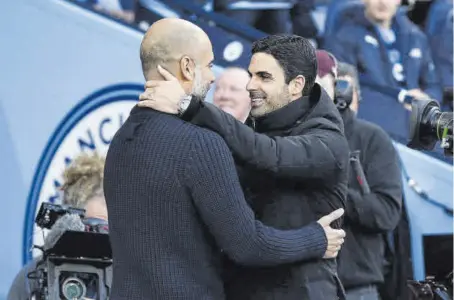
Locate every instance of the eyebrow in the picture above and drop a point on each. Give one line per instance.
(262, 74)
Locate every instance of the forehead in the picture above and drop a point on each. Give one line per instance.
(205, 52)
(233, 77)
(388, 2)
(263, 62)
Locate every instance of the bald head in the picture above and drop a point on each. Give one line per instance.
(167, 41)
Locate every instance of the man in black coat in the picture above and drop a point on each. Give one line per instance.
(292, 161)
(375, 190)
(173, 195)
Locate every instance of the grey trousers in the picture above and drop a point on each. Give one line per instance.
(363, 293)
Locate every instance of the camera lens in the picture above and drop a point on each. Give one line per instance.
(73, 288)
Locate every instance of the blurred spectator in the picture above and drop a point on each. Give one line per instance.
(374, 194)
(327, 71)
(83, 188)
(439, 29)
(272, 16)
(302, 22)
(119, 9)
(230, 93)
(394, 62)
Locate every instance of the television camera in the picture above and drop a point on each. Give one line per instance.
(428, 125)
(77, 258)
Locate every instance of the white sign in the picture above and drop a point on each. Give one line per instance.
(89, 127)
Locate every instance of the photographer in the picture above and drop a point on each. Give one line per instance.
(82, 189)
(374, 194)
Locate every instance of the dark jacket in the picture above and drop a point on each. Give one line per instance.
(358, 43)
(23, 287)
(174, 204)
(369, 217)
(293, 171)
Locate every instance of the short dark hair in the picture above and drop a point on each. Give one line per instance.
(295, 54)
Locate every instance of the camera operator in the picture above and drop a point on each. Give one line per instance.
(375, 190)
(82, 189)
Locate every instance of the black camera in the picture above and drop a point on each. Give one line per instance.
(77, 258)
(428, 125)
(343, 94)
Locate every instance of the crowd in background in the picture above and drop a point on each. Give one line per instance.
(397, 59)
(391, 60)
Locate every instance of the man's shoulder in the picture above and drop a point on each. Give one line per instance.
(22, 286)
(369, 128)
(405, 24)
(375, 134)
(208, 138)
(351, 30)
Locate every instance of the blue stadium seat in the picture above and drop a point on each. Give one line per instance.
(439, 29)
(338, 11)
(437, 15)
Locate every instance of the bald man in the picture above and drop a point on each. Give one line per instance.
(174, 200)
(230, 93)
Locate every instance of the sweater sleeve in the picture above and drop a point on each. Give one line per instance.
(216, 192)
(22, 287)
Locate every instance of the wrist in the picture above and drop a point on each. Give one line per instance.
(184, 104)
(193, 108)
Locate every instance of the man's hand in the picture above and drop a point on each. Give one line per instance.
(335, 237)
(162, 95)
(418, 94)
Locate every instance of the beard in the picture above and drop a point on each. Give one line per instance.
(271, 103)
(199, 87)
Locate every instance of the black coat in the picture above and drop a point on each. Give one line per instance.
(294, 170)
(369, 217)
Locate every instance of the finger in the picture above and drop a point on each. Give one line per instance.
(339, 233)
(145, 96)
(336, 242)
(333, 247)
(328, 219)
(166, 74)
(151, 84)
(146, 103)
(330, 254)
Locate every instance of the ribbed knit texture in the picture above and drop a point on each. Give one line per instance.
(175, 204)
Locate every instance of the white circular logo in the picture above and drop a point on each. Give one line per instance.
(233, 51)
(88, 127)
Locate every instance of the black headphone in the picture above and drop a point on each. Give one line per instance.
(343, 93)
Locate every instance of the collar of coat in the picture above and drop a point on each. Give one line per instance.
(290, 115)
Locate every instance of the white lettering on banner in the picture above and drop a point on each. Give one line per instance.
(89, 128)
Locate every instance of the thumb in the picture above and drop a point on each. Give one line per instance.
(166, 74)
(328, 219)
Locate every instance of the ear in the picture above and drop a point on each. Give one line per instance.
(296, 86)
(187, 68)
